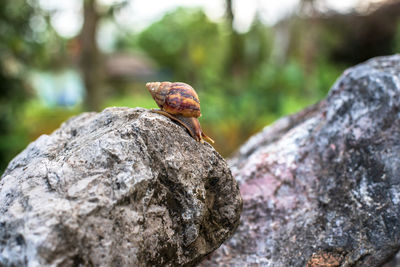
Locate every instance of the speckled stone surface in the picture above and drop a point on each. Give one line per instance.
(322, 187)
(124, 187)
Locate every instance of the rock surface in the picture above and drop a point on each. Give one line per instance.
(322, 187)
(124, 187)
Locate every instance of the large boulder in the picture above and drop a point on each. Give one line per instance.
(124, 187)
(322, 187)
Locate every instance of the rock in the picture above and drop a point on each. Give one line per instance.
(124, 187)
(322, 187)
(395, 262)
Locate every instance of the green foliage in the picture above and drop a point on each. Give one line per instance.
(37, 119)
(241, 84)
(241, 91)
(187, 43)
(14, 23)
(26, 41)
(131, 100)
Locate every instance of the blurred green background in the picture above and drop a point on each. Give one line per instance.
(251, 61)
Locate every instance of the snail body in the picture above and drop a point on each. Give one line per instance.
(180, 102)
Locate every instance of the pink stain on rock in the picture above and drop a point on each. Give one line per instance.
(261, 187)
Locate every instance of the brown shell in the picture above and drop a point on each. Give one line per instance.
(175, 98)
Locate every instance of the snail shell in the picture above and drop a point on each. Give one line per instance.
(175, 98)
(179, 102)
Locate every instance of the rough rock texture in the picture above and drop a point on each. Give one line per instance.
(124, 187)
(322, 187)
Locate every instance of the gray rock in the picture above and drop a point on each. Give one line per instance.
(322, 187)
(124, 187)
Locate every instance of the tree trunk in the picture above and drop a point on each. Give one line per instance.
(90, 57)
(229, 13)
(235, 54)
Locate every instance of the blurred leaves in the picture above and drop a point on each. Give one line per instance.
(26, 40)
(185, 42)
(245, 80)
(236, 101)
(14, 23)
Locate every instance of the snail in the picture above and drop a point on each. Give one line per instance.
(179, 102)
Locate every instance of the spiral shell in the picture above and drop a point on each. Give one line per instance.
(175, 98)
